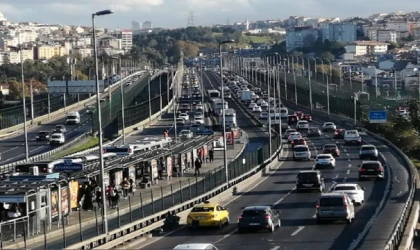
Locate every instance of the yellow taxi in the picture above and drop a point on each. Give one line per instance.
(208, 215)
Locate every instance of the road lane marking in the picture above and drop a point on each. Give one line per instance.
(284, 197)
(349, 166)
(348, 171)
(345, 150)
(345, 179)
(275, 248)
(226, 236)
(336, 176)
(396, 179)
(347, 154)
(298, 230)
(348, 159)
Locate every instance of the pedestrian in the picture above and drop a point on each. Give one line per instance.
(197, 165)
(161, 167)
(211, 155)
(99, 197)
(125, 185)
(108, 193)
(132, 186)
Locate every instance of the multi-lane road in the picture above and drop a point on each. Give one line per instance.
(299, 229)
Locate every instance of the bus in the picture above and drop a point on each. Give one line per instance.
(212, 94)
(230, 119)
(44, 167)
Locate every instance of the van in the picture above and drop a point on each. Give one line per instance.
(284, 113)
(73, 118)
(333, 207)
(195, 246)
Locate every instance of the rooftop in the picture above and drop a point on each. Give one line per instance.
(367, 43)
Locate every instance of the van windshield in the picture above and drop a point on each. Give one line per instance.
(331, 202)
(71, 117)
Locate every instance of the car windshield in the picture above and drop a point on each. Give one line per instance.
(43, 133)
(314, 129)
(71, 117)
(301, 149)
(331, 202)
(303, 122)
(330, 147)
(202, 209)
(59, 126)
(329, 124)
(56, 136)
(323, 157)
(344, 188)
(370, 165)
(368, 148)
(253, 213)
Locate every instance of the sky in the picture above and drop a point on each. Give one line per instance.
(174, 13)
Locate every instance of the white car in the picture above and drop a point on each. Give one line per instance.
(264, 115)
(329, 126)
(354, 191)
(324, 160)
(198, 120)
(186, 134)
(252, 105)
(180, 121)
(288, 132)
(293, 136)
(199, 115)
(264, 104)
(301, 152)
(260, 101)
(199, 106)
(184, 116)
(57, 138)
(302, 125)
(255, 97)
(257, 109)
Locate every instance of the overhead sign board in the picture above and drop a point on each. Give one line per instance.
(68, 165)
(378, 116)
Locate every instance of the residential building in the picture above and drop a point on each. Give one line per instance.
(6, 41)
(298, 37)
(26, 36)
(46, 52)
(2, 57)
(397, 25)
(363, 48)
(14, 57)
(83, 52)
(79, 30)
(126, 37)
(110, 42)
(386, 36)
(147, 25)
(135, 26)
(342, 32)
(411, 26)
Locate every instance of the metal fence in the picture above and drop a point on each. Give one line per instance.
(140, 205)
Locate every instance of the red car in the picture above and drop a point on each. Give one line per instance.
(331, 149)
(339, 133)
(299, 141)
(307, 118)
(299, 114)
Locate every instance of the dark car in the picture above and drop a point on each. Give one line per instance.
(43, 136)
(314, 131)
(307, 118)
(339, 133)
(299, 114)
(257, 218)
(331, 149)
(310, 180)
(370, 170)
(292, 119)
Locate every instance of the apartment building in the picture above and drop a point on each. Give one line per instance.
(13, 57)
(299, 36)
(342, 32)
(397, 25)
(363, 48)
(46, 52)
(83, 52)
(415, 32)
(386, 36)
(126, 37)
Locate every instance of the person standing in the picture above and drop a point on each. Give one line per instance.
(125, 185)
(197, 165)
(99, 197)
(211, 155)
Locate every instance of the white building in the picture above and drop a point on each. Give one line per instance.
(342, 32)
(14, 57)
(83, 52)
(362, 48)
(298, 37)
(147, 25)
(126, 37)
(386, 36)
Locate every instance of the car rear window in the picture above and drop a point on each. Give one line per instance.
(43, 133)
(368, 148)
(253, 213)
(301, 149)
(323, 157)
(308, 176)
(331, 202)
(330, 146)
(202, 209)
(370, 165)
(344, 188)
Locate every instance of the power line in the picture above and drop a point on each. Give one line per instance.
(191, 19)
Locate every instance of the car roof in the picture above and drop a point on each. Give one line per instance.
(301, 146)
(371, 162)
(346, 185)
(193, 246)
(256, 208)
(323, 155)
(328, 122)
(206, 205)
(331, 194)
(44, 132)
(330, 144)
(309, 171)
(369, 145)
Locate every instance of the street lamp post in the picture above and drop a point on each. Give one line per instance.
(20, 49)
(122, 99)
(98, 110)
(294, 79)
(223, 110)
(149, 79)
(328, 86)
(310, 84)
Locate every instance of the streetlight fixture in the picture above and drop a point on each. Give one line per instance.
(19, 49)
(122, 98)
(268, 67)
(98, 108)
(223, 109)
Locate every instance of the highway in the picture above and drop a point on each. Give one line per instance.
(13, 148)
(297, 210)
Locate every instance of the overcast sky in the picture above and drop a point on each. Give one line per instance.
(174, 13)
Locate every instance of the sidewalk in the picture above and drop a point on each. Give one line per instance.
(182, 189)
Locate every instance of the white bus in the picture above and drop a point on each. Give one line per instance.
(212, 94)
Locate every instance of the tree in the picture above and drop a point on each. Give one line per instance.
(327, 55)
(189, 49)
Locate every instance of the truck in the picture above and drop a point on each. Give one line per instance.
(218, 106)
(73, 118)
(246, 96)
(352, 137)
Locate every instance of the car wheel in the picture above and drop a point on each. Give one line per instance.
(220, 224)
(349, 220)
(241, 230)
(319, 222)
(279, 223)
(227, 221)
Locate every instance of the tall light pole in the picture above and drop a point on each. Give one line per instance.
(268, 67)
(328, 85)
(363, 78)
(122, 98)
(19, 49)
(310, 83)
(223, 110)
(294, 79)
(98, 110)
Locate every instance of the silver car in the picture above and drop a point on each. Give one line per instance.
(333, 207)
(186, 134)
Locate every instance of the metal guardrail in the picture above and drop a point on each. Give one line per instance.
(399, 229)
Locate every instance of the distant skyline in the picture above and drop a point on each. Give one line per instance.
(174, 13)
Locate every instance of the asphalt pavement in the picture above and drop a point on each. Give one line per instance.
(297, 210)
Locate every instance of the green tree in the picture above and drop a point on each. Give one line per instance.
(327, 55)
